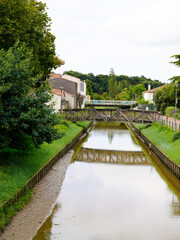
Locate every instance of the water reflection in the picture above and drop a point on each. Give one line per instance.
(112, 156)
(111, 138)
(173, 183)
(44, 232)
(115, 201)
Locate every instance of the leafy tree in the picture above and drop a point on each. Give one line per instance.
(165, 97)
(100, 83)
(177, 64)
(112, 84)
(138, 89)
(123, 95)
(25, 116)
(27, 21)
(131, 92)
(89, 90)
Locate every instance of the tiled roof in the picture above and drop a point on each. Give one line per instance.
(154, 89)
(68, 86)
(54, 75)
(58, 92)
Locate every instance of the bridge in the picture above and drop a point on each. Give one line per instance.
(111, 115)
(112, 156)
(111, 103)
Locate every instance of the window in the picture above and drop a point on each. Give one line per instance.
(82, 87)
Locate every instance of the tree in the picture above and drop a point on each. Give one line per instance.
(138, 89)
(176, 63)
(27, 21)
(25, 116)
(89, 90)
(165, 97)
(112, 84)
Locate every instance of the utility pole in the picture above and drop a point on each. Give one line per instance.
(61, 88)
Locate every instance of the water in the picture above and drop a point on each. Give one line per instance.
(113, 191)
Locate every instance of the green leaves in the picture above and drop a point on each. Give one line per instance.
(26, 118)
(27, 21)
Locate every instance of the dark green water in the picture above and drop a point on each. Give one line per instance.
(113, 191)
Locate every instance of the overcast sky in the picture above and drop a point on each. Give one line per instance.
(134, 37)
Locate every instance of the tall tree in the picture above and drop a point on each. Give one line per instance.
(27, 21)
(25, 116)
(138, 89)
(176, 63)
(112, 84)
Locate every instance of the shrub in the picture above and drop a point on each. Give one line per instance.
(176, 136)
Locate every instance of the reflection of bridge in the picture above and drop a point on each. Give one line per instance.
(111, 115)
(112, 156)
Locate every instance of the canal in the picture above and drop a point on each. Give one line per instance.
(113, 190)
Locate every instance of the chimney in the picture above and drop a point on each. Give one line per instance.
(149, 86)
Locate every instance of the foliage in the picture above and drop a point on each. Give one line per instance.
(89, 90)
(25, 116)
(138, 89)
(27, 21)
(112, 84)
(15, 174)
(165, 97)
(99, 83)
(162, 137)
(123, 95)
(168, 110)
(143, 101)
(176, 136)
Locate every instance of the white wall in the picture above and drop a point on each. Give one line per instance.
(149, 97)
(79, 82)
(57, 102)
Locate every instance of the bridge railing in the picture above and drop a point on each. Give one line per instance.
(111, 115)
(110, 102)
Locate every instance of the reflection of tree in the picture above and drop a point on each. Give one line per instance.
(44, 233)
(110, 135)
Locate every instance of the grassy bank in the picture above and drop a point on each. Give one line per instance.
(14, 175)
(164, 138)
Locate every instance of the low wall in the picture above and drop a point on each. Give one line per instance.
(44, 170)
(172, 166)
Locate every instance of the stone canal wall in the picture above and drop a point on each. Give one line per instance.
(44, 170)
(172, 166)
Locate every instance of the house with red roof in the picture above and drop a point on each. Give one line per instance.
(149, 94)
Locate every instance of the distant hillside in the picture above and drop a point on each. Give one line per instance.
(99, 82)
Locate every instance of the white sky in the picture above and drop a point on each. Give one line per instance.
(135, 37)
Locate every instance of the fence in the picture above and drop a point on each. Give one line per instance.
(170, 122)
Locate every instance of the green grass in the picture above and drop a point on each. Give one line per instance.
(164, 138)
(16, 174)
(10, 211)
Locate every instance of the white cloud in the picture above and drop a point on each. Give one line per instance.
(133, 37)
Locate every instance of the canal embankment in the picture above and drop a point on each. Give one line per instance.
(25, 171)
(163, 141)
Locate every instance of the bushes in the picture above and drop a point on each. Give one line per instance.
(176, 136)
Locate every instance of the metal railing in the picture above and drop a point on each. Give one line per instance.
(110, 102)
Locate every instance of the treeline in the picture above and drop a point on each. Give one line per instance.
(99, 86)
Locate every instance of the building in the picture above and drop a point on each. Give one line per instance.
(65, 93)
(62, 100)
(149, 94)
(81, 88)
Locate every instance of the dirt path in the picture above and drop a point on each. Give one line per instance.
(26, 223)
